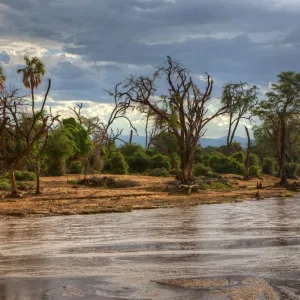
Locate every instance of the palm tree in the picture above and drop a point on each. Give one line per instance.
(32, 74)
(2, 79)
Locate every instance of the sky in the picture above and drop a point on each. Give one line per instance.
(88, 46)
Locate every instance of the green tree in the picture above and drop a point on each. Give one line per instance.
(277, 111)
(241, 100)
(139, 162)
(80, 136)
(60, 147)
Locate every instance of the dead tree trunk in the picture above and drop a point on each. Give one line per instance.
(247, 155)
(131, 135)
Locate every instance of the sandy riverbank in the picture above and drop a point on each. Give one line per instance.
(62, 198)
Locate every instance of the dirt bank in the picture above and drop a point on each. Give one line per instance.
(62, 198)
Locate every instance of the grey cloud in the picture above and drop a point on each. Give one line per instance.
(142, 33)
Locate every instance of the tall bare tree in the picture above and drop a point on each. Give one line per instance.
(17, 140)
(183, 111)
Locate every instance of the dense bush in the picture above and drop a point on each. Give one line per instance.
(21, 176)
(254, 171)
(159, 172)
(57, 167)
(130, 149)
(291, 170)
(226, 165)
(139, 162)
(117, 164)
(268, 166)
(76, 167)
(160, 161)
(239, 156)
(5, 185)
(201, 170)
(253, 160)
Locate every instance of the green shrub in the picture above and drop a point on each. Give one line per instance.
(57, 167)
(159, 172)
(253, 160)
(21, 176)
(219, 186)
(291, 170)
(5, 185)
(159, 161)
(226, 165)
(76, 167)
(201, 170)
(130, 149)
(268, 166)
(139, 162)
(24, 176)
(239, 156)
(212, 175)
(118, 164)
(254, 171)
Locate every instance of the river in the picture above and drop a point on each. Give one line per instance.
(214, 251)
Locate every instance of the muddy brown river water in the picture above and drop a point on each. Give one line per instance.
(248, 250)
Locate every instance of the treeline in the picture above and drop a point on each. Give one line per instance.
(34, 139)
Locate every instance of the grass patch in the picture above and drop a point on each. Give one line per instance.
(287, 195)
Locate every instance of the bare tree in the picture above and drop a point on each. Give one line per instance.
(183, 111)
(101, 131)
(17, 140)
(241, 100)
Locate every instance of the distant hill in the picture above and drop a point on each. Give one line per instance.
(204, 142)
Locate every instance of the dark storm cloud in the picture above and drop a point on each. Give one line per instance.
(230, 39)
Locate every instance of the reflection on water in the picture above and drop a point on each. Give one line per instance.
(120, 255)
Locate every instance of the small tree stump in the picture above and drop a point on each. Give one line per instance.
(259, 186)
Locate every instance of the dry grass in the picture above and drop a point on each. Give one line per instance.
(62, 198)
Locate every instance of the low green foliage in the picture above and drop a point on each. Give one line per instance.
(253, 160)
(139, 162)
(21, 176)
(291, 170)
(222, 164)
(117, 164)
(159, 172)
(160, 161)
(254, 171)
(5, 185)
(76, 167)
(268, 166)
(239, 156)
(201, 170)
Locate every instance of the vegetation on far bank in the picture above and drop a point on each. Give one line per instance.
(35, 142)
